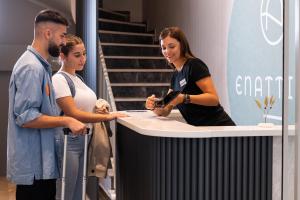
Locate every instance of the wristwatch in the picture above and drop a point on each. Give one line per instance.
(187, 99)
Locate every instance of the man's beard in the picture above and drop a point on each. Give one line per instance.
(53, 50)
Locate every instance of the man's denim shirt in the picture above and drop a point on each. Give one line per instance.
(31, 153)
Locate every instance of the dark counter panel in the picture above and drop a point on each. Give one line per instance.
(156, 168)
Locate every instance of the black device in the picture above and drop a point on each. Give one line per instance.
(167, 99)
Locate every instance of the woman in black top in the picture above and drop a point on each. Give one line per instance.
(198, 101)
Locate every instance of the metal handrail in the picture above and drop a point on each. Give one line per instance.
(105, 91)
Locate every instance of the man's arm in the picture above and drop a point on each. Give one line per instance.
(45, 121)
(29, 98)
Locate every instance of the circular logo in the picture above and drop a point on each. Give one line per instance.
(271, 21)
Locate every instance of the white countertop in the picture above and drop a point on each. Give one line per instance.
(147, 123)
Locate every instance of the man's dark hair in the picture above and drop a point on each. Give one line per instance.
(50, 16)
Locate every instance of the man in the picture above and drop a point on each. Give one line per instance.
(33, 114)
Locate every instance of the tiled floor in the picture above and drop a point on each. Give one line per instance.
(7, 189)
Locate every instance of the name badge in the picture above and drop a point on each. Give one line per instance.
(182, 82)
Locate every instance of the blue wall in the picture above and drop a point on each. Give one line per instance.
(255, 60)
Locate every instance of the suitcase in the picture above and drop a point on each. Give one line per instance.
(63, 179)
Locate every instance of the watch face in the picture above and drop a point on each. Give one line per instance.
(167, 99)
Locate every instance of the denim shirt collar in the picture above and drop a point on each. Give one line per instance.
(43, 61)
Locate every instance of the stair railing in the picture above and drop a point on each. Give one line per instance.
(105, 92)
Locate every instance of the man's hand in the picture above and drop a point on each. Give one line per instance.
(76, 126)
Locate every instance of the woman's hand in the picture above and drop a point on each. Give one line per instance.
(115, 115)
(150, 102)
(178, 100)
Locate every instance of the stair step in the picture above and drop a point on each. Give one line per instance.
(109, 14)
(142, 91)
(131, 50)
(115, 25)
(125, 37)
(138, 70)
(130, 99)
(152, 66)
(135, 57)
(136, 63)
(113, 12)
(118, 22)
(140, 77)
(130, 105)
(125, 33)
(129, 45)
(139, 84)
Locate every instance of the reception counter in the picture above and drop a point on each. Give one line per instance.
(162, 158)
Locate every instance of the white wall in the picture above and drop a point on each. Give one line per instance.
(63, 6)
(205, 24)
(135, 7)
(16, 32)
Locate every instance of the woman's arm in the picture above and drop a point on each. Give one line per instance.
(209, 97)
(69, 108)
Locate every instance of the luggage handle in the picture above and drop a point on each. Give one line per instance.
(67, 131)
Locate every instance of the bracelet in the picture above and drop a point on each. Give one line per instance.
(187, 99)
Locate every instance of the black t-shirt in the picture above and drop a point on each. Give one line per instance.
(185, 82)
